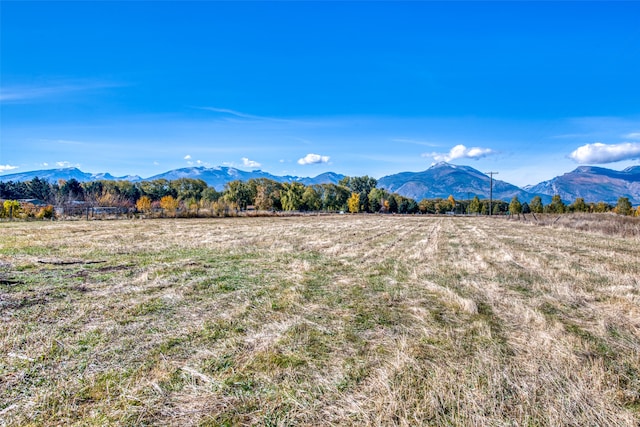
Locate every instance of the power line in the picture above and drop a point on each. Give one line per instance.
(491, 190)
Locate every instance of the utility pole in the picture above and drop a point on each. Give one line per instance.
(491, 190)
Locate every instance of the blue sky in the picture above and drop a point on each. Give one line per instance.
(528, 89)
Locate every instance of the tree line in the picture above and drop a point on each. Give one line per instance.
(351, 194)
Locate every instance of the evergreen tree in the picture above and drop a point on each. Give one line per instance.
(474, 206)
(556, 205)
(536, 205)
(579, 205)
(623, 207)
(515, 207)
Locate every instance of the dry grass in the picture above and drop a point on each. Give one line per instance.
(343, 320)
(603, 223)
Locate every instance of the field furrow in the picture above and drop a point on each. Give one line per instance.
(318, 320)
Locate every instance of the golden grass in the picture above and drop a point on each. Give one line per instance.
(338, 320)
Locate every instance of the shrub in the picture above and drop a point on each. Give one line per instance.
(47, 212)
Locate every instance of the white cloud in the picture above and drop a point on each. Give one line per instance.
(187, 157)
(460, 152)
(66, 164)
(606, 153)
(311, 159)
(250, 163)
(5, 168)
(633, 135)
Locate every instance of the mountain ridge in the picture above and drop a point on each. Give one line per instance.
(592, 183)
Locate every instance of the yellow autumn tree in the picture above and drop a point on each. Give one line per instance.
(143, 204)
(169, 204)
(354, 203)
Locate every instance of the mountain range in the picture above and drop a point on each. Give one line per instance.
(594, 184)
(462, 182)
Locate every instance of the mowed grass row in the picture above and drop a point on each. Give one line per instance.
(342, 320)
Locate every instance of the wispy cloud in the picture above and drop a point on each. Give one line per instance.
(240, 114)
(250, 163)
(22, 93)
(414, 142)
(232, 112)
(632, 135)
(605, 153)
(254, 117)
(311, 159)
(187, 157)
(6, 168)
(461, 152)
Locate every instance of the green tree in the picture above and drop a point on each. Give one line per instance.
(291, 196)
(427, 206)
(474, 206)
(311, 199)
(525, 208)
(515, 207)
(497, 209)
(72, 190)
(393, 203)
(156, 189)
(39, 189)
(602, 207)
(334, 197)
(210, 194)
(556, 205)
(377, 197)
(237, 193)
(188, 188)
(536, 205)
(361, 185)
(623, 207)
(579, 205)
(14, 190)
(128, 191)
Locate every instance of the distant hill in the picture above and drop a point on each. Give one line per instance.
(215, 177)
(594, 184)
(325, 178)
(444, 179)
(53, 175)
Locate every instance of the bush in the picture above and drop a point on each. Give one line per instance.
(47, 212)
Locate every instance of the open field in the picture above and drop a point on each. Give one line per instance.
(339, 320)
